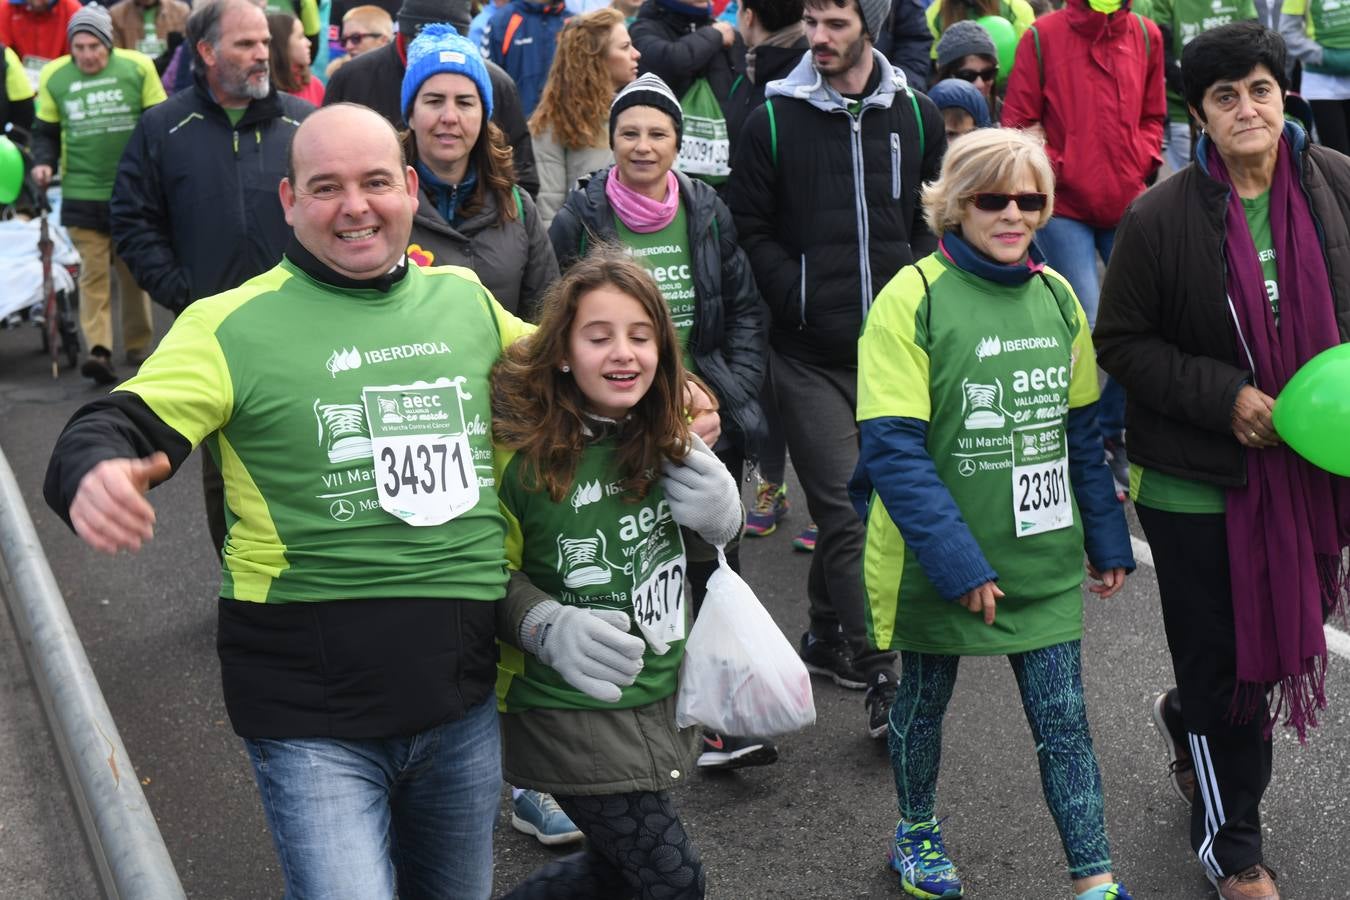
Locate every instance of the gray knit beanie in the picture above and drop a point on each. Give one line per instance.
(963, 38)
(648, 90)
(874, 13)
(92, 19)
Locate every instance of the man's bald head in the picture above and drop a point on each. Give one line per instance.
(348, 194)
(342, 115)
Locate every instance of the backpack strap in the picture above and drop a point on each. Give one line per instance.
(1144, 29)
(918, 119)
(512, 25)
(1040, 63)
(773, 131)
(520, 204)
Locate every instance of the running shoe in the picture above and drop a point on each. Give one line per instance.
(880, 695)
(722, 751)
(806, 541)
(1252, 883)
(1180, 768)
(537, 813)
(771, 507)
(833, 659)
(918, 856)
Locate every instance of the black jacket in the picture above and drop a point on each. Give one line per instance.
(727, 342)
(771, 63)
(680, 49)
(375, 79)
(907, 42)
(827, 205)
(194, 208)
(1164, 330)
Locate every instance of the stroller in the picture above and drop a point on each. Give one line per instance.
(42, 278)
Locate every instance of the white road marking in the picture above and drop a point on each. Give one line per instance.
(1338, 641)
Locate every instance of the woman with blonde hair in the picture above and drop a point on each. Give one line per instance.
(977, 398)
(595, 60)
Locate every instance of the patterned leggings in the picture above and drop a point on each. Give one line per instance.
(1051, 683)
(636, 847)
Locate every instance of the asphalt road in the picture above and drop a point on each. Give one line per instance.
(815, 825)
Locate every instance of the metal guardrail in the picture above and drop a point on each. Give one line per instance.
(128, 850)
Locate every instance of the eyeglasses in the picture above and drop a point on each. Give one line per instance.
(350, 39)
(999, 202)
(988, 74)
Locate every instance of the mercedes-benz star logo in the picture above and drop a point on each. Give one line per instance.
(342, 510)
(966, 467)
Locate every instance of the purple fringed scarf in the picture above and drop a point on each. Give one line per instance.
(1286, 528)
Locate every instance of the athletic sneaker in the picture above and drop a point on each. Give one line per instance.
(832, 659)
(1180, 769)
(880, 695)
(806, 541)
(537, 813)
(918, 855)
(722, 751)
(771, 507)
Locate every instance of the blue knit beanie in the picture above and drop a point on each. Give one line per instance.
(438, 48)
(955, 93)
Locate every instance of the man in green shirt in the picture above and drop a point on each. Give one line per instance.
(88, 105)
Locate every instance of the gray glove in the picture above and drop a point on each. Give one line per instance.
(590, 648)
(703, 496)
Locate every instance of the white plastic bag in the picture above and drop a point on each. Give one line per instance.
(740, 675)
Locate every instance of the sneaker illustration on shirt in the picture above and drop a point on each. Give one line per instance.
(582, 561)
(983, 405)
(342, 431)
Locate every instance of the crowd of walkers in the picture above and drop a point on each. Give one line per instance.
(481, 352)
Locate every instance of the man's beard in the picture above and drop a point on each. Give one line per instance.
(237, 83)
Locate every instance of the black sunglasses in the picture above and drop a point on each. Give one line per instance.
(358, 37)
(988, 74)
(999, 202)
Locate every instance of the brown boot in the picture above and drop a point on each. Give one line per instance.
(1254, 883)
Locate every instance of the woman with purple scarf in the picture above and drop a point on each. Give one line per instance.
(1225, 279)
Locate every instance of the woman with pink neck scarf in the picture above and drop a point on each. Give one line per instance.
(681, 233)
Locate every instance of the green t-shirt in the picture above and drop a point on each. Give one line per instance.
(1188, 18)
(994, 371)
(151, 44)
(284, 407)
(593, 549)
(665, 254)
(1328, 21)
(16, 79)
(1258, 223)
(235, 113)
(97, 114)
(1172, 493)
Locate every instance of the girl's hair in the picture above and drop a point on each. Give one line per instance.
(954, 11)
(985, 160)
(490, 157)
(575, 102)
(537, 409)
(281, 25)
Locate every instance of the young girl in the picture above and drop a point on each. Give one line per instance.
(606, 494)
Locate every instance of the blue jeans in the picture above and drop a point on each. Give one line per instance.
(1071, 248)
(363, 819)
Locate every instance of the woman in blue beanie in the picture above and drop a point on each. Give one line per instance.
(471, 213)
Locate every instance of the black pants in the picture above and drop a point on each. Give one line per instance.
(636, 848)
(1232, 760)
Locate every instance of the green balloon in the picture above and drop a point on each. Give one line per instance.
(1312, 413)
(11, 170)
(1005, 42)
